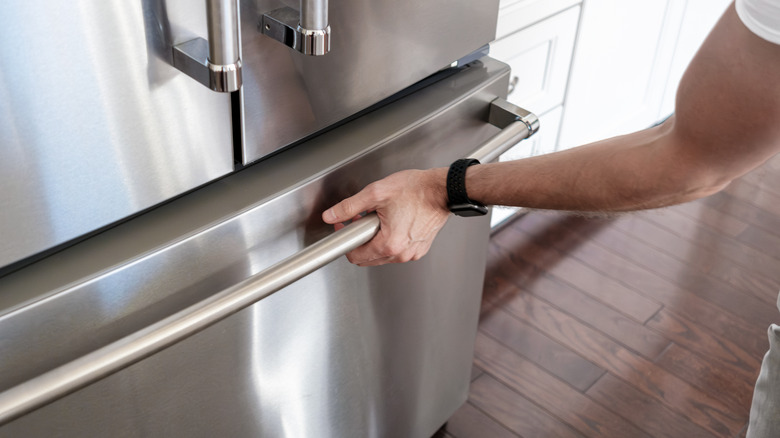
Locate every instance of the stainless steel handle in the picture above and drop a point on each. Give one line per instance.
(215, 63)
(306, 30)
(314, 14)
(114, 357)
(517, 124)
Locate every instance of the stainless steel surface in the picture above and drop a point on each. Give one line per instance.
(191, 58)
(343, 352)
(516, 124)
(503, 113)
(99, 125)
(215, 63)
(223, 31)
(314, 42)
(378, 49)
(61, 381)
(283, 25)
(114, 357)
(314, 14)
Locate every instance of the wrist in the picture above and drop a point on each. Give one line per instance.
(436, 186)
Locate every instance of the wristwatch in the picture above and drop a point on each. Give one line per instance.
(459, 202)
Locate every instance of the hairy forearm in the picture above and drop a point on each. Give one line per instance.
(636, 171)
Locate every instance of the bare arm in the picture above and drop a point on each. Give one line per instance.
(727, 122)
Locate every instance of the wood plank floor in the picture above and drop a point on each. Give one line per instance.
(651, 324)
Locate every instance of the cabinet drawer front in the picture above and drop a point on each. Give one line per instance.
(514, 15)
(540, 57)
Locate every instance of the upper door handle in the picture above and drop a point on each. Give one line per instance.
(306, 30)
(515, 123)
(215, 63)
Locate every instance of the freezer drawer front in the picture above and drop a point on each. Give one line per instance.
(378, 47)
(95, 123)
(344, 352)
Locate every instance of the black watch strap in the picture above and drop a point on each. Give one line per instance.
(459, 202)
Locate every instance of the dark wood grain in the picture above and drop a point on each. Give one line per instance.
(539, 349)
(689, 335)
(623, 329)
(470, 422)
(642, 410)
(700, 216)
(756, 195)
(575, 273)
(683, 301)
(726, 259)
(555, 396)
(515, 412)
(732, 206)
(658, 383)
(710, 377)
(763, 241)
(710, 289)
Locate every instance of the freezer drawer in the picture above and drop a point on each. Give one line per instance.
(344, 352)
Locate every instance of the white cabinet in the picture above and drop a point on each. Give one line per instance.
(629, 59)
(618, 77)
(519, 14)
(540, 56)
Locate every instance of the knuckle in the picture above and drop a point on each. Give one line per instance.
(376, 191)
(345, 207)
(395, 248)
(404, 257)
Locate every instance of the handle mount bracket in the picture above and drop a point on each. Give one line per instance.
(285, 25)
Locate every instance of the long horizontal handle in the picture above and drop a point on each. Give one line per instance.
(116, 356)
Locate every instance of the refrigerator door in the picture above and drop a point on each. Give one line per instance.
(95, 122)
(343, 352)
(378, 47)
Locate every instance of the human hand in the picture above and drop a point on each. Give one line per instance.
(412, 208)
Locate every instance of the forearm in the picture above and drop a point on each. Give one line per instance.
(646, 169)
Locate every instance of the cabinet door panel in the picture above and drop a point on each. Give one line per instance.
(620, 68)
(514, 15)
(540, 57)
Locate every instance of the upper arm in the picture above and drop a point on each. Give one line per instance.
(727, 116)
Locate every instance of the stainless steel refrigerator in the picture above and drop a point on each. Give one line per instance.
(163, 267)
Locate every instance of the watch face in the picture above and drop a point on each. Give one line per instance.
(467, 210)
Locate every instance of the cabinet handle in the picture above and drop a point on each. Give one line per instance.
(215, 63)
(516, 124)
(306, 30)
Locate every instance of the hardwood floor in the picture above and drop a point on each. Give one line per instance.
(651, 324)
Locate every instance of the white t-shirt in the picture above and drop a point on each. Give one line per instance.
(762, 17)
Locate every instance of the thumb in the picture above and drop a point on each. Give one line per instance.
(346, 209)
